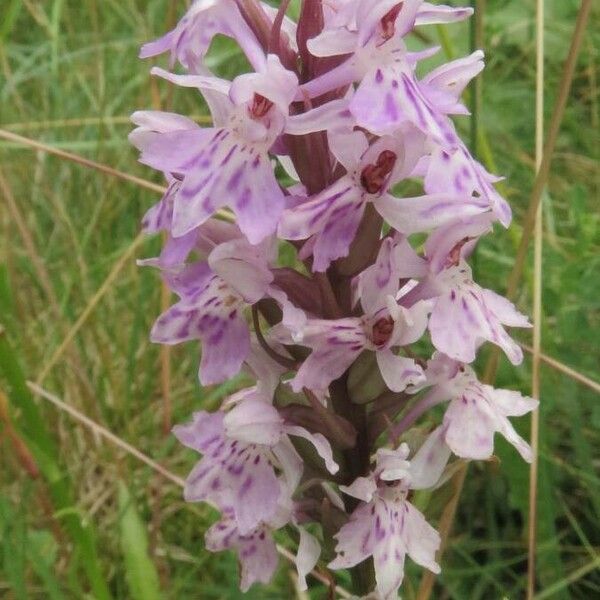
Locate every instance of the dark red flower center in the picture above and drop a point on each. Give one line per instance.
(382, 331)
(260, 106)
(374, 177)
(453, 257)
(388, 21)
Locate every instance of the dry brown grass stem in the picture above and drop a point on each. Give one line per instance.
(86, 162)
(108, 435)
(105, 433)
(568, 371)
(84, 121)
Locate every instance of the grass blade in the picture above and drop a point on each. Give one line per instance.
(140, 571)
(33, 428)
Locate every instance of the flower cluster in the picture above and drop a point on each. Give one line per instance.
(316, 150)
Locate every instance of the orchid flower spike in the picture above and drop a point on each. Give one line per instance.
(317, 236)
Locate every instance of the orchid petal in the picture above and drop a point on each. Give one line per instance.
(361, 488)
(320, 443)
(307, 556)
(254, 421)
(399, 372)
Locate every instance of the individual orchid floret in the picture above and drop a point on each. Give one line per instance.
(385, 326)
(476, 410)
(213, 295)
(189, 42)
(330, 219)
(464, 315)
(249, 465)
(452, 170)
(227, 165)
(388, 94)
(256, 549)
(386, 525)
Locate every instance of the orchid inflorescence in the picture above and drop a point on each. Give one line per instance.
(306, 152)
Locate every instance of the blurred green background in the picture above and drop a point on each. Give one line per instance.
(80, 518)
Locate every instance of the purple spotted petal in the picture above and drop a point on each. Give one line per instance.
(399, 372)
(424, 213)
(229, 172)
(470, 424)
(213, 315)
(454, 171)
(428, 464)
(476, 411)
(390, 96)
(462, 320)
(374, 530)
(331, 218)
(335, 345)
(243, 267)
(237, 477)
(256, 550)
(422, 541)
(254, 421)
(192, 37)
(202, 431)
(430, 14)
(381, 279)
(444, 85)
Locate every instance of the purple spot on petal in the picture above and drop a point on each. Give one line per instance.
(234, 182)
(244, 199)
(390, 107)
(246, 485)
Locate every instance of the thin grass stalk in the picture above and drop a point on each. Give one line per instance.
(537, 306)
(83, 121)
(568, 371)
(24, 455)
(155, 466)
(567, 581)
(14, 137)
(544, 170)
(223, 214)
(477, 43)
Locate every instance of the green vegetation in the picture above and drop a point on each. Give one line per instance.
(97, 523)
